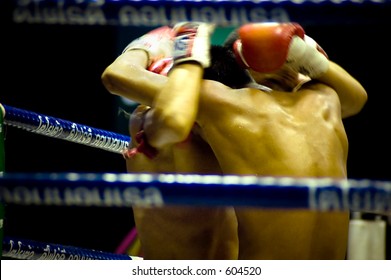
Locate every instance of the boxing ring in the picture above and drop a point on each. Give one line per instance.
(156, 190)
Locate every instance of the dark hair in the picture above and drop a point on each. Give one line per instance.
(225, 69)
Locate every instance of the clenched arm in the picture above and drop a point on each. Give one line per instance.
(351, 93)
(127, 76)
(175, 108)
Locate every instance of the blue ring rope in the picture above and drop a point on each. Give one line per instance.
(220, 12)
(66, 130)
(127, 190)
(23, 249)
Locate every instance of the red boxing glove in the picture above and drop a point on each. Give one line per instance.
(266, 47)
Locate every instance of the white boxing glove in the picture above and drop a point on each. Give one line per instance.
(306, 57)
(192, 42)
(158, 44)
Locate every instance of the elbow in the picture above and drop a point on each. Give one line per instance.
(107, 79)
(357, 105)
(172, 129)
(361, 100)
(177, 127)
(180, 129)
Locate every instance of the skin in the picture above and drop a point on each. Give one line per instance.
(290, 147)
(278, 133)
(183, 232)
(2, 110)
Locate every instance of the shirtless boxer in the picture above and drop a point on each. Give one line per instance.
(276, 133)
(184, 232)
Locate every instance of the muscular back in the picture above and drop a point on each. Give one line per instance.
(275, 133)
(280, 134)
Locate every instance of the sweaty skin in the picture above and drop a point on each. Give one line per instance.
(182, 232)
(280, 134)
(276, 133)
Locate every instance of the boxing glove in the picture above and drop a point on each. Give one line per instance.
(307, 57)
(266, 47)
(157, 43)
(142, 147)
(161, 66)
(138, 116)
(192, 42)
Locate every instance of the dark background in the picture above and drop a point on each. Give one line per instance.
(55, 70)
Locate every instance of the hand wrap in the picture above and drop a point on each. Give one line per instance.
(143, 146)
(192, 42)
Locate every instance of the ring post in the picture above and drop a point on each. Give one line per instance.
(2, 169)
(367, 238)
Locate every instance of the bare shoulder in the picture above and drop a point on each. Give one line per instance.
(316, 87)
(212, 91)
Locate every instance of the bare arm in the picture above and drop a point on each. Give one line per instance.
(127, 76)
(175, 107)
(351, 93)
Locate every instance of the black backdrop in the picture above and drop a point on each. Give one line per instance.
(55, 70)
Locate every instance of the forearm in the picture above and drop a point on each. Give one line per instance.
(127, 76)
(175, 107)
(351, 93)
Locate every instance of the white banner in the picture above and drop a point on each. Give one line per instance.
(198, 270)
